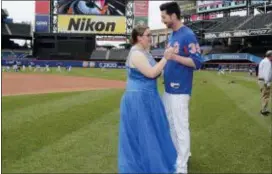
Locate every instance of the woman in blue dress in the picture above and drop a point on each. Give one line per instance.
(145, 144)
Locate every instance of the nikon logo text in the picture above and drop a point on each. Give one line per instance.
(86, 24)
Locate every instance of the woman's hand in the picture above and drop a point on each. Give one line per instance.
(168, 53)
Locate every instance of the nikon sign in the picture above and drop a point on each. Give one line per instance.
(91, 24)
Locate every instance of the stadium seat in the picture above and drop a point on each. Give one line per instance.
(258, 21)
(229, 23)
(20, 29)
(98, 55)
(118, 54)
(20, 54)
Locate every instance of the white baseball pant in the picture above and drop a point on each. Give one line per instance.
(177, 110)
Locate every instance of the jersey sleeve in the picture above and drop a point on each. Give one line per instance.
(192, 45)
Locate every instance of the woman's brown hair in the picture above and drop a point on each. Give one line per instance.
(137, 31)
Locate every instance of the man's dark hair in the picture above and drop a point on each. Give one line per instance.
(171, 8)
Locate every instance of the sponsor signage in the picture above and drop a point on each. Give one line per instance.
(91, 24)
(141, 20)
(196, 17)
(257, 32)
(238, 33)
(111, 38)
(110, 65)
(91, 7)
(42, 23)
(218, 5)
(141, 8)
(201, 3)
(234, 56)
(97, 64)
(42, 7)
(187, 7)
(229, 56)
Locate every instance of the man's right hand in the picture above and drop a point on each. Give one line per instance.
(168, 52)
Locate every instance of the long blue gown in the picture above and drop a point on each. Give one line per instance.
(145, 144)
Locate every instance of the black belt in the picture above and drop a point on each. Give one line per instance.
(261, 79)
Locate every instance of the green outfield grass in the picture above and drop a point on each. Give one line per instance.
(77, 132)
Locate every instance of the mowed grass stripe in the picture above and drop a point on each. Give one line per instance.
(29, 112)
(242, 79)
(23, 101)
(224, 138)
(70, 115)
(91, 149)
(246, 95)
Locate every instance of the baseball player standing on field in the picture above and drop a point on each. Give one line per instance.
(178, 77)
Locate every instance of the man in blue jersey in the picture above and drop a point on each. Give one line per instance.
(178, 78)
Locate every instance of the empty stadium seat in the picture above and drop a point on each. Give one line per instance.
(202, 25)
(258, 21)
(229, 23)
(20, 29)
(6, 54)
(256, 50)
(222, 49)
(98, 55)
(19, 54)
(120, 54)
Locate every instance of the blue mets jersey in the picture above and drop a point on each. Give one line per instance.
(178, 78)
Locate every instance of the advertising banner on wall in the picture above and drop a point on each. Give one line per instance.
(141, 20)
(239, 33)
(92, 7)
(218, 5)
(42, 7)
(233, 56)
(141, 8)
(89, 24)
(187, 7)
(42, 23)
(141, 12)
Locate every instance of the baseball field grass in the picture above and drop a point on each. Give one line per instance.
(77, 132)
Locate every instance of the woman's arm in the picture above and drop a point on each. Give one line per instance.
(139, 60)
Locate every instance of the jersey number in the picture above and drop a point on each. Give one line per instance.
(194, 48)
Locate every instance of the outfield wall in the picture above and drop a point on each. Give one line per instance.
(233, 56)
(117, 65)
(62, 63)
